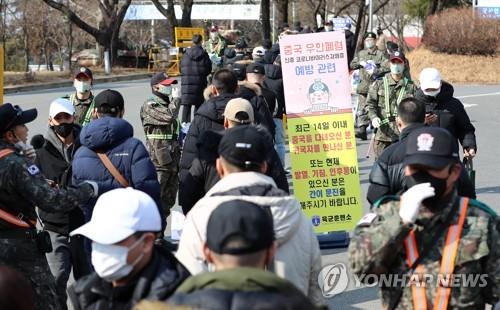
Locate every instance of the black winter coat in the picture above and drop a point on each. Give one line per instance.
(208, 117)
(387, 174)
(451, 115)
(203, 175)
(54, 167)
(274, 82)
(157, 281)
(262, 103)
(195, 67)
(350, 43)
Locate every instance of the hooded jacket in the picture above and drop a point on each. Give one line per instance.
(387, 176)
(157, 281)
(54, 160)
(208, 117)
(203, 175)
(238, 289)
(263, 102)
(298, 258)
(114, 136)
(274, 82)
(451, 114)
(195, 67)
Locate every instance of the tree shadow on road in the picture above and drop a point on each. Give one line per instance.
(488, 190)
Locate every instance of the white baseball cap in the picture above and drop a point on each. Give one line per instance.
(120, 213)
(259, 51)
(430, 78)
(61, 105)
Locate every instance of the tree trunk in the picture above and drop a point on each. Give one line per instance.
(281, 12)
(266, 19)
(187, 7)
(360, 24)
(169, 14)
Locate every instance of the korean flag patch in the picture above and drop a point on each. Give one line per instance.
(33, 170)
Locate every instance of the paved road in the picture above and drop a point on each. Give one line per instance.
(482, 104)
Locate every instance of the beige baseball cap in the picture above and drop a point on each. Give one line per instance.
(239, 110)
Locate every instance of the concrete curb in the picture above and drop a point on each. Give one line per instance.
(107, 79)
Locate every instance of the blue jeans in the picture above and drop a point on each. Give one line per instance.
(279, 140)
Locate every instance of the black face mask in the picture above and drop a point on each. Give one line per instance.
(63, 129)
(432, 203)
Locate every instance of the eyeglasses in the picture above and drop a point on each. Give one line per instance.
(19, 112)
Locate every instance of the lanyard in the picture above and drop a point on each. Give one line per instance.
(401, 94)
(447, 263)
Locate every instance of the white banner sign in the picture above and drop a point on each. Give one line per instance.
(199, 12)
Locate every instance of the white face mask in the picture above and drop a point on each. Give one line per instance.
(396, 68)
(369, 43)
(328, 28)
(214, 35)
(165, 90)
(110, 261)
(81, 87)
(433, 93)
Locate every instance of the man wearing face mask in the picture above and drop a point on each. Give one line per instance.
(82, 99)
(129, 267)
(54, 159)
(22, 189)
(215, 47)
(431, 231)
(113, 136)
(367, 61)
(444, 110)
(159, 120)
(387, 174)
(384, 97)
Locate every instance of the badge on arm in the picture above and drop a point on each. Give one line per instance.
(33, 170)
(367, 219)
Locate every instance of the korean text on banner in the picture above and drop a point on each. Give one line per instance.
(321, 129)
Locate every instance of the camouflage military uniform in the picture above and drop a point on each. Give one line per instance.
(365, 81)
(22, 187)
(380, 90)
(217, 49)
(83, 108)
(159, 119)
(377, 247)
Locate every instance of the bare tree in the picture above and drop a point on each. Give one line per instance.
(169, 14)
(265, 19)
(282, 11)
(108, 30)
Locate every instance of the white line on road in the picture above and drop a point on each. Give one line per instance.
(468, 105)
(479, 95)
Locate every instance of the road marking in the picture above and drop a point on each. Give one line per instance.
(468, 105)
(479, 95)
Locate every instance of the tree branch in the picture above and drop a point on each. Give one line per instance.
(345, 7)
(384, 3)
(74, 18)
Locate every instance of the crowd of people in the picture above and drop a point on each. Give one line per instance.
(217, 143)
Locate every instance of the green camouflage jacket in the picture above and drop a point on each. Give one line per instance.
(365, 78)
(387, 111)
(377, 247)
(159, 120)
(83, 108)
(23, 187)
